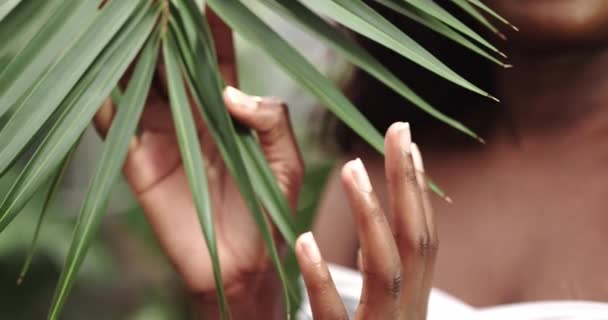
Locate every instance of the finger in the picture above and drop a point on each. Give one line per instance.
(409, 221)
(224, 44)
(103, 118)
(324, 299)
(380, 259)
(431, 230)
(269, 118)
(102, 121)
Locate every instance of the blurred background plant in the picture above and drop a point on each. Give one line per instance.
(125, 275)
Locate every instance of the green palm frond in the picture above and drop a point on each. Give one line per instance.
(60, 59)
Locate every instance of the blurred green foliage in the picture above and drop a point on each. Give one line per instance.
(125, 275)
(106, 288)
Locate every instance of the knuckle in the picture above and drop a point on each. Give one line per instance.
(422, 244)
(322, 282)
(297, 173)
(425, 246)
(291, 173)
(276, 105)
(275, 131)
(435, 245)
(276, 114)
(389, 281)
(375, 214)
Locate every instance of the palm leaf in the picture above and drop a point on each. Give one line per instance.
(437, 26)
(474, 12)
(18, 28)
(361, 18)
(193, 161)
(50, 194)
(356, 55)
(75, 114)
(206, 87)
(109, 168)
(47, 93)
(493, 13)
(6, 6)
(30, 63)
(267, 189)
(432, 9)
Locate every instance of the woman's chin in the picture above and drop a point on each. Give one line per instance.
(555, 23)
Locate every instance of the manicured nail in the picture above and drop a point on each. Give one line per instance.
(241, 99)
(360, 174)
(405, 136)
(310, 247)
(418, 164)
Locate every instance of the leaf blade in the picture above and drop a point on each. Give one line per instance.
(493, 13)
(108, 170)
(17, 29)
(51, 193)
(42, 100)
(194, 164)
(63, 27)
(76, 113)
(359, 57)
(206, 87)
(467, 7)
(437, 26)
(433, 9)
(267, 189)
(362, 19)
(6, 7)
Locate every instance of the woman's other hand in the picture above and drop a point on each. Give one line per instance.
(397, 251)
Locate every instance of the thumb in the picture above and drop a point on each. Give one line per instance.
(269, 118)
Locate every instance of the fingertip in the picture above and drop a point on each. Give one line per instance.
(325, 302)
(398, 138)
(104, 116)
(396, 128)
(306, 247)
(345, 173)
(237, 100)
(354, 173)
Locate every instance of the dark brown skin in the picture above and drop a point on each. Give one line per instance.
(530, 216)
(554, 23)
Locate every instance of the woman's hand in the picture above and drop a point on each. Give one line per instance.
(155, 172)
(397, 252)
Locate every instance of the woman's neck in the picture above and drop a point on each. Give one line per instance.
(552, 96)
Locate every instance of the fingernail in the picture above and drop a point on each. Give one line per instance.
(241, 99)
(360, 174)
(310, 247)
(405, 137)
(418, 164)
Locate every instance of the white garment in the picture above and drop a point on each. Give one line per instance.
(443, 306)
